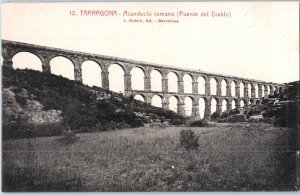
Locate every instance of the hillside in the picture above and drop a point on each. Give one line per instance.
(41, 104)
(281, 109)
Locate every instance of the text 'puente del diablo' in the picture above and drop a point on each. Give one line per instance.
(240, 92)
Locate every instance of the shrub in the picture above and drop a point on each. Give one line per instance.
(189, 140)
(234, 111)
(253, 112)
(21, 100)
(200, 123)
(137, 123)
(225, 114)
(234, 118)
(123, 125)
(177, 121)
(216, 115)
(69, 137)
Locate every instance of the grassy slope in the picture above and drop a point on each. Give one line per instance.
(231, 157)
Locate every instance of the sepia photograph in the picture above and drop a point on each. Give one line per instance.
(150, 96)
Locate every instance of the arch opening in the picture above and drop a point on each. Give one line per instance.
(173, 101)
(224, 105)
(172, 82)
(213, 105)
(249, 90)
(156, 80)
(137, 78)
(188, 104)
(223, 87)
(213, 86)
(187, 82)
(201, 107)
(233, 92)
(116, 78)
(139, 98)
(251, 102)
(26, 60)
(233, 104)
(201, 85)
(276, 91)
(91, 73)
(256, 90)
(242, 88)
(156, 101)
(62, 66)
(242, 103)
(269, 90)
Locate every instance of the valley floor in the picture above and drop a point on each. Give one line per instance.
(231, 157)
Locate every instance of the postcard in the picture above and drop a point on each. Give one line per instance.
(150, 96)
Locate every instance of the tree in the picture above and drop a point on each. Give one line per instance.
(189, 141)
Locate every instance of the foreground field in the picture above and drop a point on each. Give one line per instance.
(231, 157)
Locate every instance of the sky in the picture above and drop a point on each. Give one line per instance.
(257, 40)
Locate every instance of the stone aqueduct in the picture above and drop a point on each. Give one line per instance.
(45, 54)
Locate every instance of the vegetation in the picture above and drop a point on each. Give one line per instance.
(216, 115)
(281, 109)
(231, 157)
(189, 140)
(84, 109)
(200, 123)
(287, 110)
(69, 137)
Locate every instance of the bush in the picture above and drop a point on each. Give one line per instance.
(189, 140)
(137, 123)
(234, 118)
(216, 115)
(200, 123)
(253, 112)
(177, 121)
(225, 114)
(69, 137)
(234, 111)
